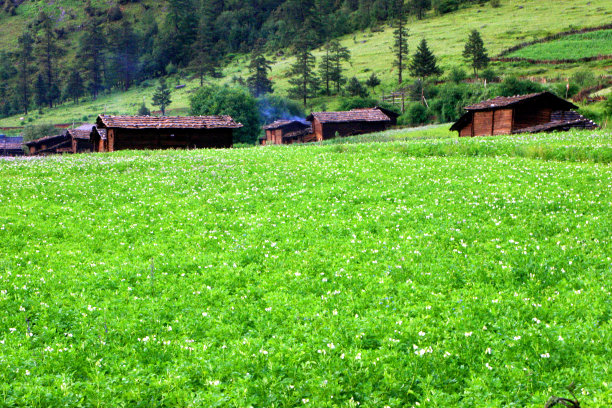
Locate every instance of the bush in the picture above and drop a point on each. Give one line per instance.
(115, 13)
(171, 69)
(356, 88)
(591, 114)
(489, 75)
(512, 86)
(230, 100)
(144, 111)
(347, 104)
(33, 132)
(456, 75)
(608, 107)
(583, 79)
(275, 107)
(495, 3)
(445, 6)
(416, 114)
(560, 89)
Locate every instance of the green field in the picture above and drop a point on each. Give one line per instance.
(514, 22)
(392, 274)
(572, 47)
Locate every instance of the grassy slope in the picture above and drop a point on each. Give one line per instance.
(307, 276)
(500, 27)
(572, 47)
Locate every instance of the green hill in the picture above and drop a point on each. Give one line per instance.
(515, 21)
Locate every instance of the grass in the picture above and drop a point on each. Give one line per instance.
(500, 27)
(571, 47)
(325, 276)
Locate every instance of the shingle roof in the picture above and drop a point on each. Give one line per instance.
(298, 133)
(47, 139)
(81, 132)
(387, 112)
(167, 122)
(583, 123)
(11, 143)
(362, 115)
(504, 101)
(282, 123)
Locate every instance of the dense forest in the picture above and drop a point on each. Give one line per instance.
(111, 49)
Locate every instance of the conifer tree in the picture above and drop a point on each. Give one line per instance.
(400, 43)
(475, 53)
(48, 51)
(74, 86)
(325, 69)
(24, 58)
(205, 55)
(92, 46)
(339, 54)
(419, 7)
(161, 97)
(304, 83)
(373, 81)
(40, 91)
(424, 63)
(258, 81)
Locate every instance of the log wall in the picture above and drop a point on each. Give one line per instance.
(328, 130)
(159, 139)
(530, 116)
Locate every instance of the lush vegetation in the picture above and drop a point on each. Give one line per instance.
(336, 275)
(572, 47)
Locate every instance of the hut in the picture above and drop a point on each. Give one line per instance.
(166, 132)
(391, 114)
(536, 112)
(326, 125)
(56, 144)
(287, 132)
(80, 138)
(98, 139)
(11, 146)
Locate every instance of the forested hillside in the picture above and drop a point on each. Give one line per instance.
(58, 55)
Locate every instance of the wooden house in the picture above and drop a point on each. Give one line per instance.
(536, 112)
(287, 132)
(11, 146)
(167, 132)
(80, 138)
(56, 144)
(391, 114)
(326, 125)
(98, 139)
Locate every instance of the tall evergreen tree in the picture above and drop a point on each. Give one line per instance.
(339, 54)
(161, 97)
(123, 47)
(258, 81)
(475, 52)
(304, 83)
(419, 7)
(325, 69)
(24, 58)
(205, 52)
(40, 91)
(400, 39)
(74, 86)
(92, 47)
(180, 30)
(48, 51)
(424, 63)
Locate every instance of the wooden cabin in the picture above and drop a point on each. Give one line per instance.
(538, 112)
(98, 139)
(287, 132)
(391, 114)
(326, 125)
(56, 144)
(166, 132)
(11, 146)
(80, 138)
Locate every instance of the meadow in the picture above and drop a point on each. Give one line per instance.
(363, 274)
(572, 47)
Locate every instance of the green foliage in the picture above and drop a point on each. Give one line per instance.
(236, 102)
(423, 64)
(456, 75)
(475, 52)
(489, 75)
(143, 110)
(304, 83)
(400, 40)
(75, 87)
(512, 86)
(416, 114)
(373, 81)
(347, 104)
(583, 79)
(161, 97)
(356, 89)
(495, 3)
(445, 6)
(33, 132)
(608, 107)
(258, 81)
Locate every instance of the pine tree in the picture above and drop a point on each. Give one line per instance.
(40, 91)
(161, 97)
(424, 63)
(339, 54)
(124, 48)
(24, 57)
(400, 43)
(48, 51)
(205, 55)
(92, 46)
(419, 7)
(325, 69)
(475, 53)
(74, 86)
(373, 81)
(356, 88)
(258, 81)
(303, 80)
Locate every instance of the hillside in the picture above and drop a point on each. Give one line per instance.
(374, 275)
(514, 22)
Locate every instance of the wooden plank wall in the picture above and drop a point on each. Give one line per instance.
(530, 116)
(502, 122)
(483, 123)
(139, 139)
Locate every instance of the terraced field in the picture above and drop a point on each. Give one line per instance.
(573, 47)
(369, 274)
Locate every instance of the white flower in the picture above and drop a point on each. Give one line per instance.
(21, 309)
(488, 366)
(27, 372)
(12, 329)
(169, 328)
(268, 309)
(422, 333)
(342, 356)
(468, 334)
(545, 355)
(488, 351)
(204, 314)
(331, 346)
(517, 338)
(447, 354)
(305, 400)
(262, 351)
(560, 338)
(358, 356)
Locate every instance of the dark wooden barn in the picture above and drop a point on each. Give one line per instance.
(287, 132)
(56, 144)
(326, 125)
(536, 112)
(80, 138)
(391, 114)
(166, 132)
(98, 139)
(11, 146)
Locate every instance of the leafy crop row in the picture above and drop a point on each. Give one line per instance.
(323, 276)
(572, 47)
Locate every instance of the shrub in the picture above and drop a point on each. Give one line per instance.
(115, 13)
(347, 104)
(591, 114)
(512, 86)
(171, 69)
(416, 114)
(489, 75)
(456, 75)
(583, 79)
(33, 132)
(143, 110)
(560, 89)
(495, 3)
(445, 6)
(356, 88)
(608, 107)
(230, 100)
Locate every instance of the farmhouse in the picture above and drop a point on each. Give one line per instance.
(538, 112)
(11, 146)
(56, 144)
(168, 132)
(80, 138)
(391, 114)
(356, 122)
(287, 132)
